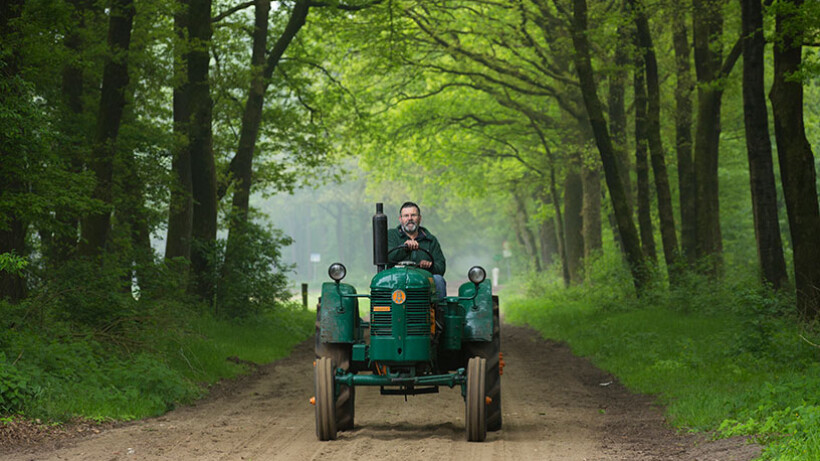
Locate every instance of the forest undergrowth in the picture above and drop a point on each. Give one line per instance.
(728, 358)
(155, 354)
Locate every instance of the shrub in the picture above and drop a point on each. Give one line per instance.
(252, 277)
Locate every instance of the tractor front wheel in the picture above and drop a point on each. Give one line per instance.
(492, 352)
(476, 404)
(325, 399)
(341, 355)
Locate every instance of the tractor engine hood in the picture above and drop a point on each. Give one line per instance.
(402, 315)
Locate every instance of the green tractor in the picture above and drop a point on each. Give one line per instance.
(413, 344)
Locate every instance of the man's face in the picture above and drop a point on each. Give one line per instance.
(410, 219)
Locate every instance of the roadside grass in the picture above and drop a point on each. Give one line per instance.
(63, 373)
(208, 344)
(726, 357)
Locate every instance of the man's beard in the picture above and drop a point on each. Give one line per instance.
(409, 227)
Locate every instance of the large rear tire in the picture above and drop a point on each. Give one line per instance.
(341, 355)
(325, 400)
(492, 352)
(476, 405)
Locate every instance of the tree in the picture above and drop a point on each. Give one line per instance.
(573, 224)
(200, 145)
(96, 226)
(683, 133)
(12, 225)
(710, 68)
(641, 162)
(241, 167)
(669, 237)
(795, 157)
(759, 148)
(181, 206)
(583, 66)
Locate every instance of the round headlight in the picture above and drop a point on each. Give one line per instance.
(337, 271)
(476, 274)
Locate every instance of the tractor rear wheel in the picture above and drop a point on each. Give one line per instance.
(341, 355)
(492, 352)
(325, 400)
(476, 405)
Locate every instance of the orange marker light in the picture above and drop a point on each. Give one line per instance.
(313, 400)
(488, 400)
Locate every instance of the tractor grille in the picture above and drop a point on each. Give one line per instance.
(418, 311)
(417, 308)
(380, 322)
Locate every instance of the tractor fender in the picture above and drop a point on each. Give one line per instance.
(478, 321)
(338, 316)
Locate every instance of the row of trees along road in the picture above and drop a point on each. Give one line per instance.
(124, 117)
(531, 99)
(127, 117)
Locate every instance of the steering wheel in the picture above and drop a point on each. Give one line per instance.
(410, 262)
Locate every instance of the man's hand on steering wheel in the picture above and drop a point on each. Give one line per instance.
(412, 245)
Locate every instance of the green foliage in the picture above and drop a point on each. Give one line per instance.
(63, 371)
(251, 275)
(11, 263)
(722, 356)
(14, 387)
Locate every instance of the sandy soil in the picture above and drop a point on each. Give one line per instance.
(555, 407)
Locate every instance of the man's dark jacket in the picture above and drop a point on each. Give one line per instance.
(397, 237)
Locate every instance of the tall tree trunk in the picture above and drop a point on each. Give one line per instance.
(669, 237)
(525, 235)
(559, 225)
(548, 241)
(683, 134)
(200, 137)
(573, 224)
(181, 206)
(796, 160)
(617, 108)
(556, 203)
(591, 211)
(73, 129)
(759, 148)
(12, 226)
(583, 65)
(96, 225)
(707, 31)
(641, 162)
(242, 164)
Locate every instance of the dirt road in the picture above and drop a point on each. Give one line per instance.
(555, 407)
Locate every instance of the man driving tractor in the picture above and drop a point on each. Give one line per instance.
(414, 237)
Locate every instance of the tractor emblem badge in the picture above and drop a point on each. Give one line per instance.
(399, 297)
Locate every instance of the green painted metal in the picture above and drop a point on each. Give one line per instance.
(453, 326)
(401, 326)
(359, 353)
(449, 379)
(339, 315)
(478, 321)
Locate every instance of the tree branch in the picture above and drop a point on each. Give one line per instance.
(231, 11)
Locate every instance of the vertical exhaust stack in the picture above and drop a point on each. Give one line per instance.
(380, 238)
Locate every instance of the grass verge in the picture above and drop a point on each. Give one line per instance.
(65, 373)
(726, 357)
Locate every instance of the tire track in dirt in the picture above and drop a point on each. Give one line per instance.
(554, 408)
